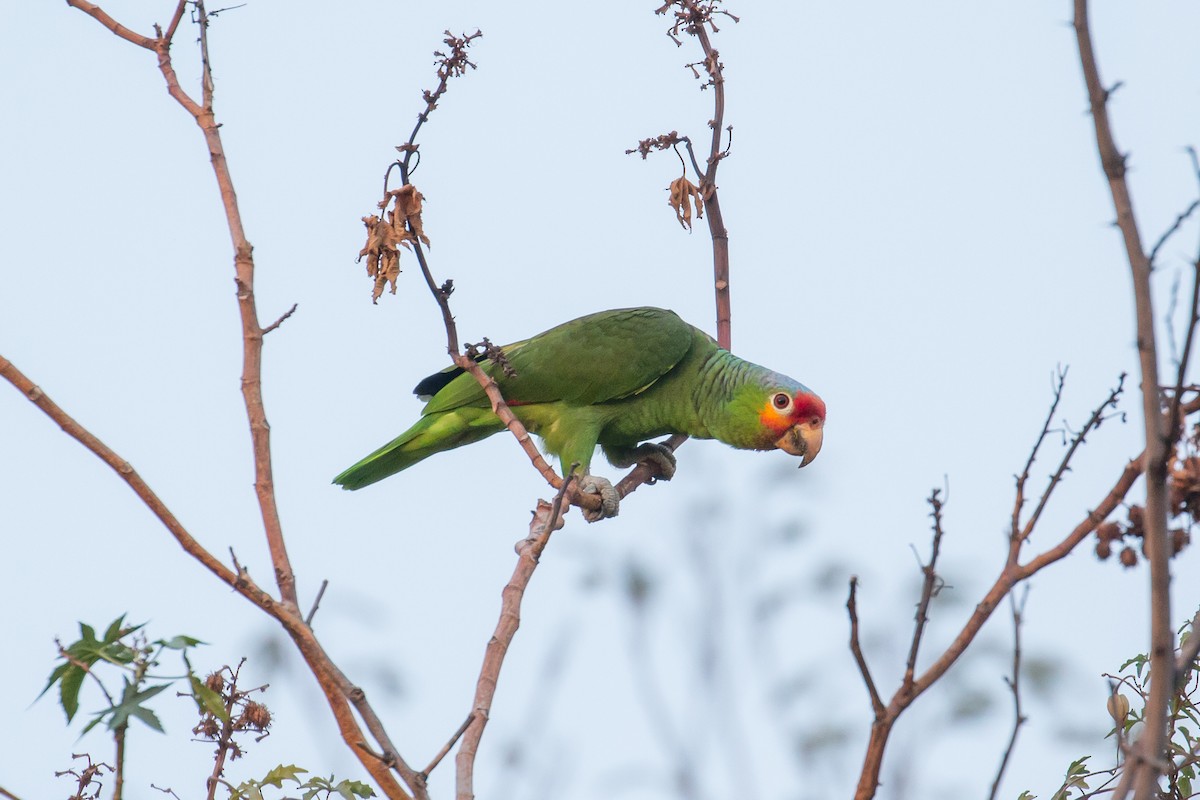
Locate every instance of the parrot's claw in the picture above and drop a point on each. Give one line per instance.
(659, 459)
(610, 501)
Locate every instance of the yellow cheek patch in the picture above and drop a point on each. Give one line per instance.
(771, 418)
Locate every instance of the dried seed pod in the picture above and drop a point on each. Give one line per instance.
(1137, 519)
(1118, 708)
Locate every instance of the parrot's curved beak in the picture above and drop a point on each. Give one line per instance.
(803, 440)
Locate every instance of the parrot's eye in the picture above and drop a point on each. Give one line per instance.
(782, 401)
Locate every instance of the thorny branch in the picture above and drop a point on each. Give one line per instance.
(931, 585)
(1152, 741)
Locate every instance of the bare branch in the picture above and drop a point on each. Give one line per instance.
(929, 587)
(312, 612)
(547, 518)
(101, 16)
(1174, 418)
(448, 745)
(1011, 574)
(280, 321)
(856, 648)
(1186, 662)
(1014, 684)
(1094, 421)
(1158, 545)
(1181, 218)
(1019, 501)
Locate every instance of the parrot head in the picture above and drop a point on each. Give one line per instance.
(796, 420)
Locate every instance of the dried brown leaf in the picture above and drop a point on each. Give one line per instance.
(685, 194)
(408, 208)
(383, 259)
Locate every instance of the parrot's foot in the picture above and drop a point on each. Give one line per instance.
(657, 457)
(610, 501)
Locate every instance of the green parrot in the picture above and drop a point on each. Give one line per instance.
(614, 378)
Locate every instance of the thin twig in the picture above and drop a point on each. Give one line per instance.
(448, 746)
(280, 321)
(1014, 684)
(1019, 501)
(1174, 421)
(5, 793)
(1169, 232)
(929, 587)
(1094, 421)
(316, 603)
(856, 648)
(1186, 662)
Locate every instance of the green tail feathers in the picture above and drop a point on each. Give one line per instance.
(433, 433)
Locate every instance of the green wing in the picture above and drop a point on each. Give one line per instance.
(593, 359)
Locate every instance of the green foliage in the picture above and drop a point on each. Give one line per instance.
(1076, 778)
(1182, 745)
(314, 787)
(122, 650)
(226, 712)
(130, 705)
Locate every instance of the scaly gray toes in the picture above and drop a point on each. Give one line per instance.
(610, 501)
(658, 457)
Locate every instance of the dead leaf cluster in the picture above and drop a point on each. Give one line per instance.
(1185, 486)
(384, 236)
(691, 15)
(450, 64)
(660, 142)
(1125, 535)
(685, 195)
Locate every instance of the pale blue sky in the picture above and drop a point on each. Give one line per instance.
(919, 231)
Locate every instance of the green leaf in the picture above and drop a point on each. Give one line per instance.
(55, 676)
(114, 629)
(1185, 785)
(207, 699)
(179, 642)
(68, 689)
(1140, 660)
(1027, 795)
(352, 789)
(147, 716)
(131, 706)
(277, 776)
(246, 790)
